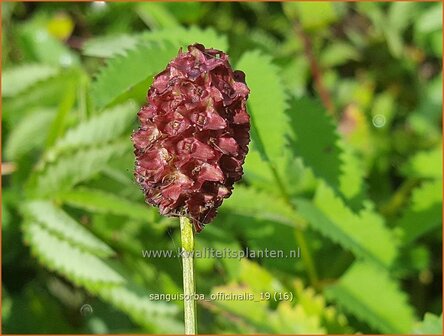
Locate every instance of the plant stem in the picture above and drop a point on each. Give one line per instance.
(316, 71)
(300, 238)
(187, 239)
(398, 199)
(308, 260)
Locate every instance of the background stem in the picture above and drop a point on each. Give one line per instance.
(187, 239)
(300, 238)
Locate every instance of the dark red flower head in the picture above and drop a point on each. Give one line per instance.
(193, 136)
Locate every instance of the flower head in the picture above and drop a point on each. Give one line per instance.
(193, 135)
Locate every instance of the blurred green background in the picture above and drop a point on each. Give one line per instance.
(345, 163)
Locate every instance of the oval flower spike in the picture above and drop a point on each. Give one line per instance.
(193, 135)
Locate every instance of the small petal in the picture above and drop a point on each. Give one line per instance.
(210, 173)
(145, 137)
(228, 145)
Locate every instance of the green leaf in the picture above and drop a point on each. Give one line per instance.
(59, 122)
(34, 126)
(315, 139)
(58, 255)
(99, 278)
(338, 53)
(425, 164)
(431, 325)
(71, 169)
(262, 205)
(186, 36)
(17, 79)
(372, 296)
(98, 130)
(312, 16)
(330, 216)
(315, 305)
(253, 314)
(123, 72)
(430, 20)
(257, 277)
(307, 313)
(266, 103)
(424, 213)
(44, 47)
(56, 221)
(257, 171)
(108, 46)
(351, 182)
(136, 304)
(294, 319)
(99, 201)
(394, 41)
(401, 14)
(45, 93)
(156, 15)
(34, 302)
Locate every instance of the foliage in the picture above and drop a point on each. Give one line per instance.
(110, 83)
(430, 325)
(328, 214)
(345, 166)
(268, 118)
(362, 289)
(314, 133)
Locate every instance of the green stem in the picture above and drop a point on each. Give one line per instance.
(189, 289)
(307, 259)
(398, 198)
(300, 238)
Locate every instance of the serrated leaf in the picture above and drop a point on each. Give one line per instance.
(262, 205)
(99, 201)
(266, 103)
(257, 171)
(252, 314)
(330, 216)
(123, 72)
(74, 168)
(293, 319)
(186, 36)
(315, 139)
(34, 126)
(46, 93)
(108, 46)
(56, 221)
(351, 181)
(138, 307)
(424, 213)
(315, 304)
(431, 325)
(425, 164)
(372, 296)
(16, 80)
(100, 129)
(95, 275)
(58, 255)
